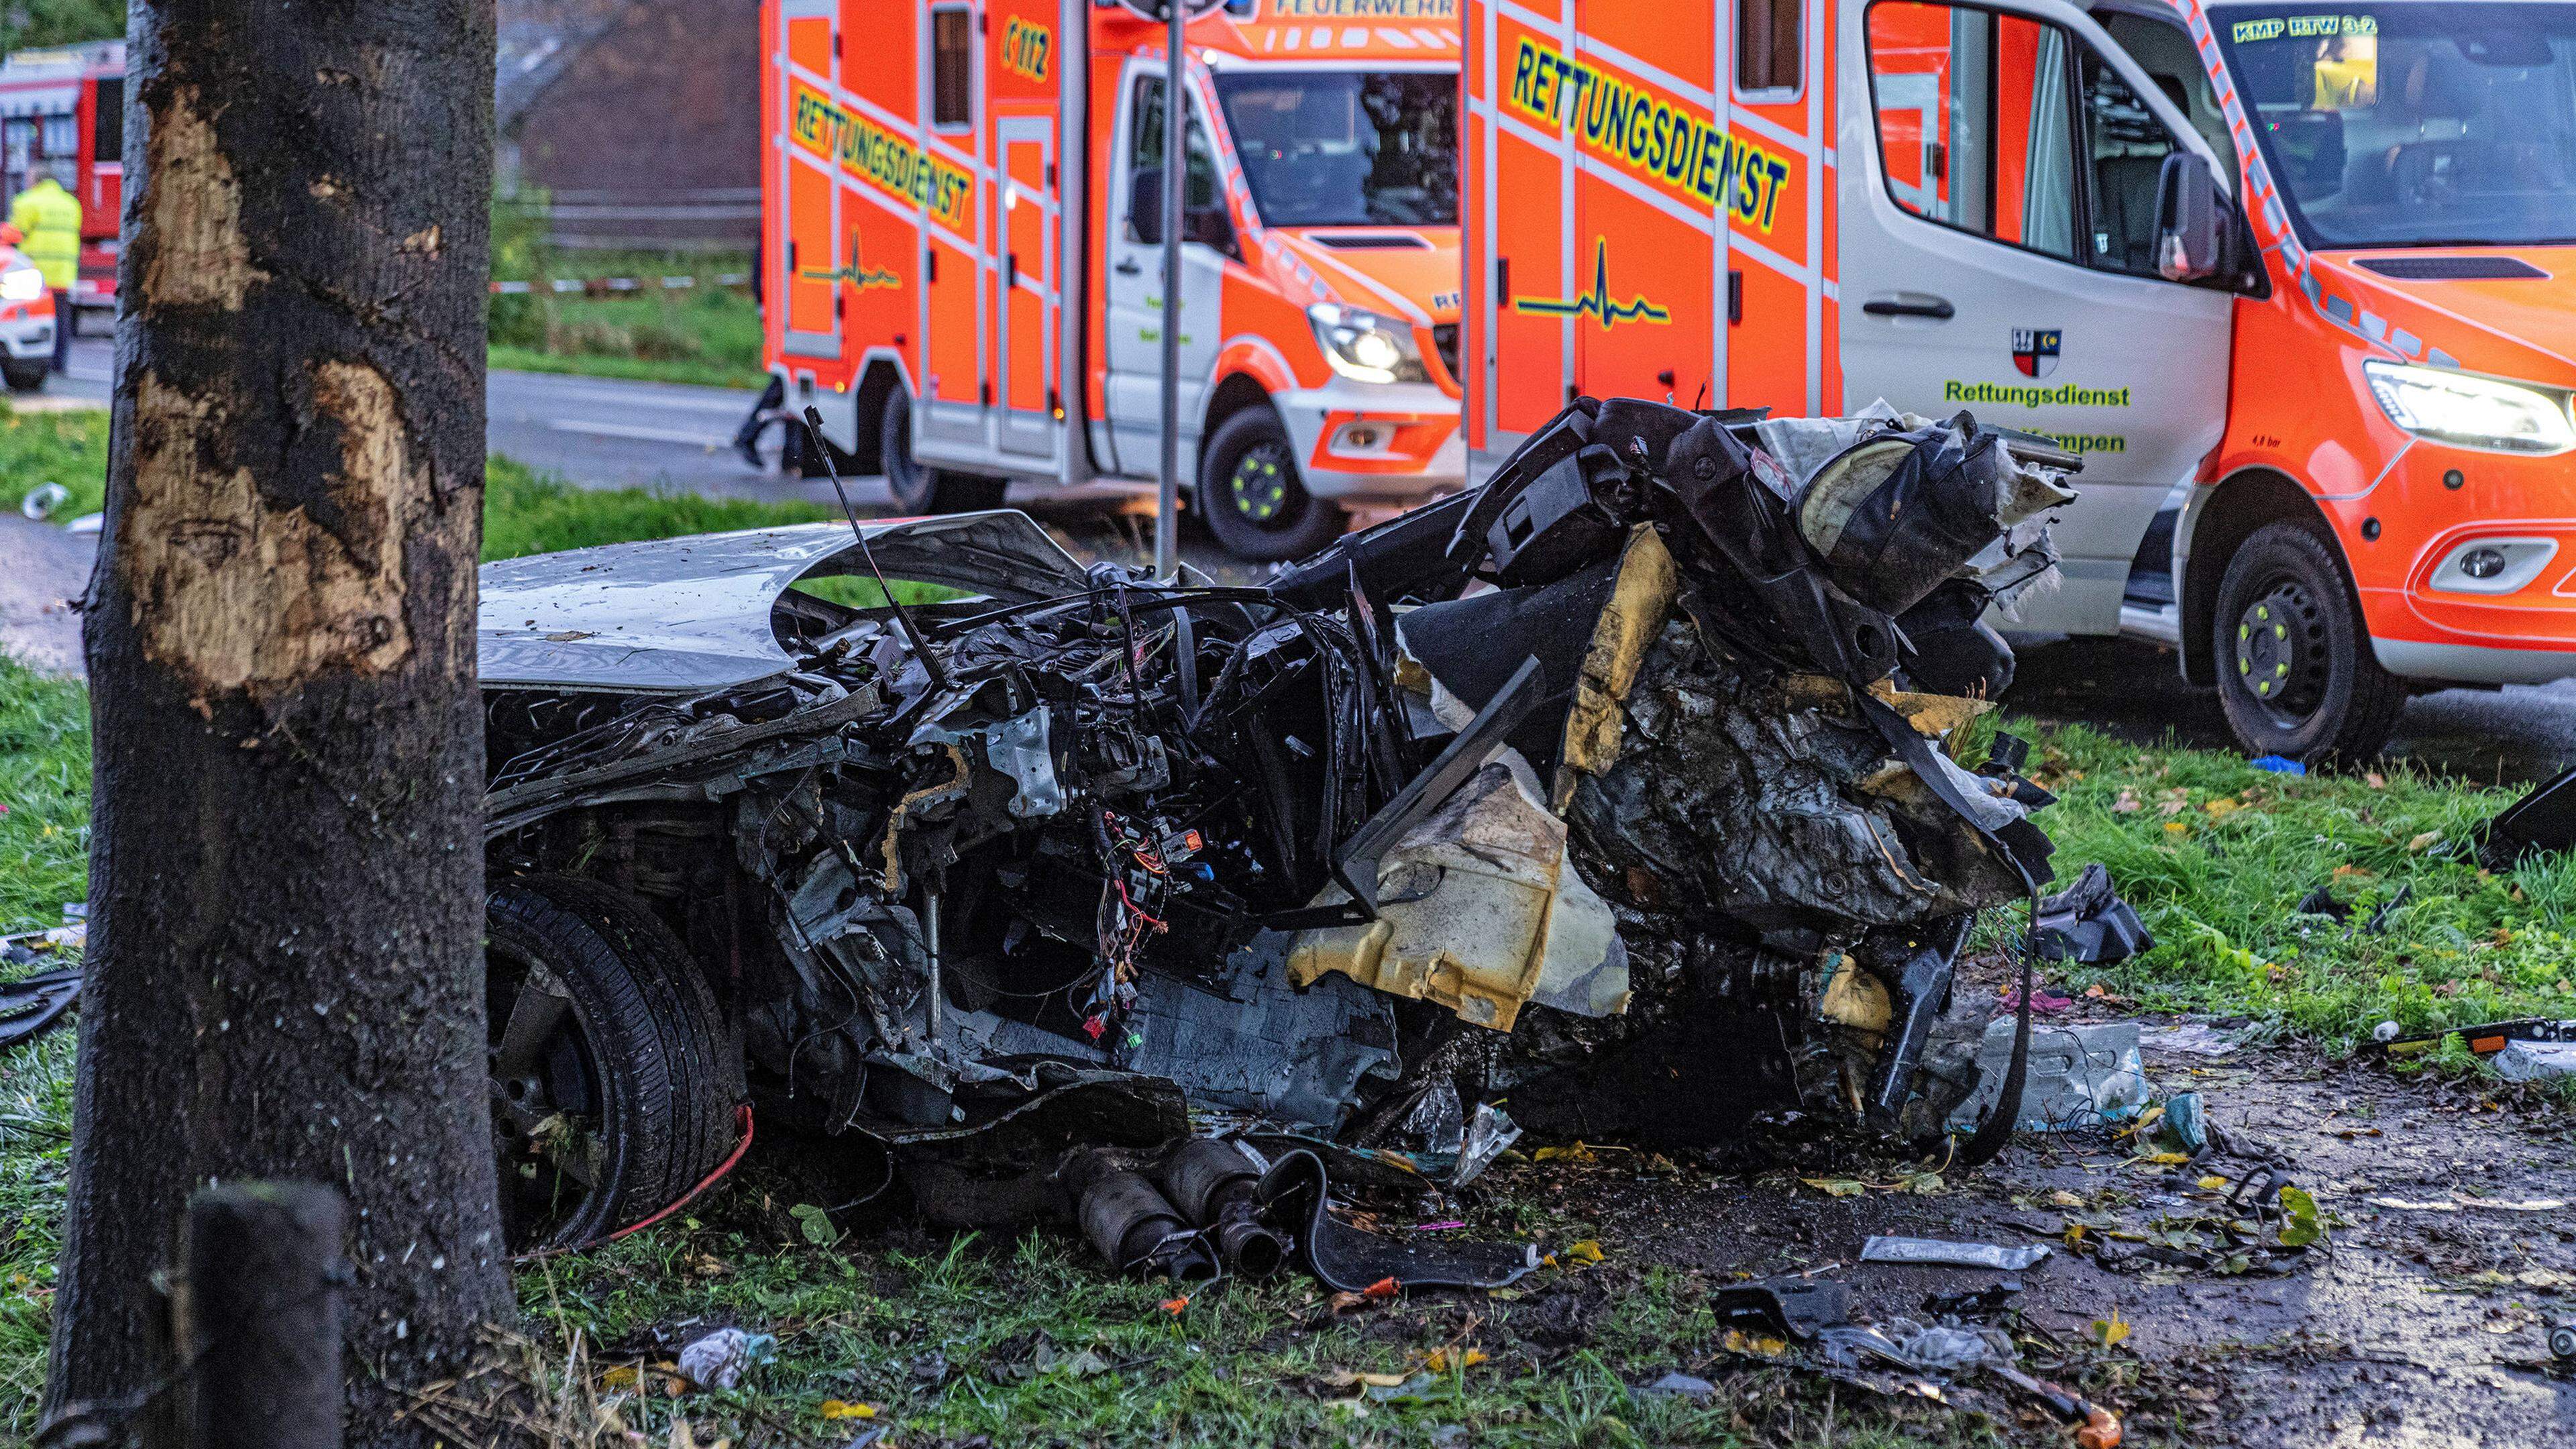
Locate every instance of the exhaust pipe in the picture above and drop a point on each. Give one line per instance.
(1212, 1184)
(1132, 1225)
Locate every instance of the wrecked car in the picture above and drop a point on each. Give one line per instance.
(1632, 785)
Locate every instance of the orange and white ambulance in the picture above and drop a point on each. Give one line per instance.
(964, 258)
(2294, 278)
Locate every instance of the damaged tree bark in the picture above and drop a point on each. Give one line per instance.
(286, 874)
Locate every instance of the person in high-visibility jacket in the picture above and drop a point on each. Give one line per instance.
(50, 219)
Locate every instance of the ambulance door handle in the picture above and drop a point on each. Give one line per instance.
(1127, 267)
(1935, 308)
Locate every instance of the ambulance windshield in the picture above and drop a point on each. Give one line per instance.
(2415, 124)
(1338, 148)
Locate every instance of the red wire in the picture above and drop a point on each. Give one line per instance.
(1132, 906)
(742, 1115)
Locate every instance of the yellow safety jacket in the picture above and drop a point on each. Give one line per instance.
(51, 219)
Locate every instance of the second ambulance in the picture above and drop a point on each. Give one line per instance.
(964, 228)
(2294, 278)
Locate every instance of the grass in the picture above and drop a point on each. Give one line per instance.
(1026, 1333)
(527, 512)
(44, 860)
(69, 448)
(704, 334)
(2217, 856)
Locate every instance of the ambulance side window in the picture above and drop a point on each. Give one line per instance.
(1976, 125)
(952, 68)
(2126, 147)
(1767, 39)
(1145, 153)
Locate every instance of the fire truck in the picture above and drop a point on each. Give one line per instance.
(2290, 277)
(62, 113)
(963, 250)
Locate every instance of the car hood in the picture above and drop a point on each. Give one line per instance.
(2517, 320)
(1409, 272)
(685, 615)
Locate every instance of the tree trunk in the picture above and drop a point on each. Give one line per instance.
(286, 869)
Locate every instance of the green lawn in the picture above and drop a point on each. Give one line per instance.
(2214, 853)
(702, 334)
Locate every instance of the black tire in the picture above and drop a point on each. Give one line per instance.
(1252, 497)
(25, 376)
(2295, 671)
(917, 487)
(620, 1061)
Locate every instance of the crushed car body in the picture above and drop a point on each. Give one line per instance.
(1629, 785)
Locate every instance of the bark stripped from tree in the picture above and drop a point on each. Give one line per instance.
(286, 869)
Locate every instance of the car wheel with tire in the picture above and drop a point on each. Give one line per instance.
(1252, 497)
(2296, 675)
(917, 487)
(613, 1086)
(25, 376)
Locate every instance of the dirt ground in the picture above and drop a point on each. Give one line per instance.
(2410, 1327)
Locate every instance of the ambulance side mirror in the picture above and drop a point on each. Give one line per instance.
(2190, 219)
(1206, 225)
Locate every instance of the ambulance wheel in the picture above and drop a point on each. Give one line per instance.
(1254, 501)
(2295, 671)
(25, 376)
(918, 488)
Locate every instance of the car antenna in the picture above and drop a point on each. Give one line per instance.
(902, 615)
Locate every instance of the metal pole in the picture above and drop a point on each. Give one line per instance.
(1176, 180)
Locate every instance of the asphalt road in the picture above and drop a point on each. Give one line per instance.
(606, 434)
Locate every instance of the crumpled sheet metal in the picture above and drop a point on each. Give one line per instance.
(1742, 796)
(1640, 601)
(1479, 912)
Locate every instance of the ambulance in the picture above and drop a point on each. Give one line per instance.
(963, 249)
(2292, 278)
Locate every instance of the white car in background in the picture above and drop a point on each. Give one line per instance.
(28, 316)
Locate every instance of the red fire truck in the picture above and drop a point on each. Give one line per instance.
(62, 113)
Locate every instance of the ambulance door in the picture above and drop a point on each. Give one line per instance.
(954, 256)
(1998, 222)
(1028, 284)
(1526, 221)
(809, 227)
(1136, 292)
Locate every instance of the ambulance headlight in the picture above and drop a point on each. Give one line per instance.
(1365, 346)
(2475, 412)
(21, 284)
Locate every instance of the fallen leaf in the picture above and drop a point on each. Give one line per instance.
(2176, 827)
(1760, 1345)
(1352, 1378)
(2421, 842)
(2374, 779)
(1345, 1302)
(2064, 1199)
(1175, 1306)
(621, 1376)
(844, 1409)
(1444, 1360)
(2302, 1226)
(815, 1224)
(2112, 1331)
(1587, 1251)
(1836, 1186)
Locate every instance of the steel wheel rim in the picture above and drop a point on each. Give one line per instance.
(2281, 651)
(1262, 485)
